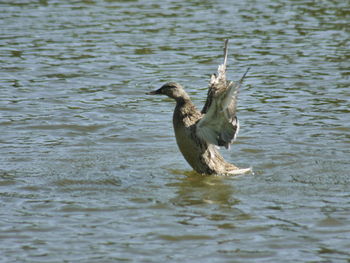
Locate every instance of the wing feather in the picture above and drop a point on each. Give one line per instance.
(220, 125)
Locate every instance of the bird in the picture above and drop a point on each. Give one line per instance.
(199, 134)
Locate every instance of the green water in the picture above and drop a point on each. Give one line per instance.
(89, 167)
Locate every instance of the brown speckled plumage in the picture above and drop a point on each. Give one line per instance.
(203, 157)
(197, 132)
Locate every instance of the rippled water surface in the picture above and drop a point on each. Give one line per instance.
(89, 167)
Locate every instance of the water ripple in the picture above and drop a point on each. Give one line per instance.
(87, 161)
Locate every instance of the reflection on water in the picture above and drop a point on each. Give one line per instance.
(198, 190)
(89, 167)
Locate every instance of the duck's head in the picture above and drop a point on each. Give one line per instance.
(172, 90)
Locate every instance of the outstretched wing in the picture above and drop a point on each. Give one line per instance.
(220, 125)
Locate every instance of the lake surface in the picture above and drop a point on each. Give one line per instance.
(89, 166)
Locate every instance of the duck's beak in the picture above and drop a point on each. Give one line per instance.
(153, 92)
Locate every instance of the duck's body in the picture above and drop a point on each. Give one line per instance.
(199, 133)
(203, 157)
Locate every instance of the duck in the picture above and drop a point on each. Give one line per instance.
(200, 134)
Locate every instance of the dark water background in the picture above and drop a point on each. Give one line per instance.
(89, 167)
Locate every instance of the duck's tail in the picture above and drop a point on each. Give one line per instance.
(240, 171)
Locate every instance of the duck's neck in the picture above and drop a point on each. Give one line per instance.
(185, 112)
(183, 100)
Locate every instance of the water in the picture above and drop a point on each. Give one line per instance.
(89, 167)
